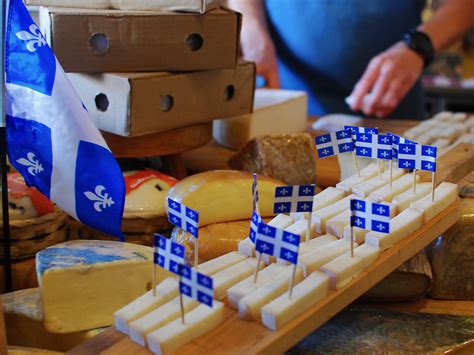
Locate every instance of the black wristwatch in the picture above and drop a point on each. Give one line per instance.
(420, 43)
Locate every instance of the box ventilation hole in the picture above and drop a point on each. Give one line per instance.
(99, 43)
(229, 92)
(166, 103)
(194, 41)
(102, 102)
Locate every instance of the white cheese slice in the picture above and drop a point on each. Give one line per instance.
(246, 286)
(346, 267)
(305, 294)
(312, 261)
(426, 138)
(445, 195)
(358, 234)
(251, 304)
(300, 227)
(165, 291)
(404, 200)
(401, 226)
(313, 244)
(365, 174)
(385, 193)
(199, 321)
(220, 263)
(365, 188)
(327, 197)
(441, 143)
(336, 224)
(159, 317)
(323, 215)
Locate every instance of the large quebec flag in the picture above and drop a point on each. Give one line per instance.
(52, 141)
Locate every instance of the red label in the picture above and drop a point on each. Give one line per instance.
(134, 181)
(18, 189)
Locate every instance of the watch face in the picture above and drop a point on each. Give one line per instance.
(421, 44)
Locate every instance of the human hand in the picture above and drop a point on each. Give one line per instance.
(388, 78)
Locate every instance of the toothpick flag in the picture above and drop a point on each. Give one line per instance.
(367, 130)
(396, 141)
(168, 254)
(376, 146)
(277, 242)
(293, 198)
(254, 226)
(183, 217)
(334, 143)
(196, 285)
(370, 215)
(416, 156)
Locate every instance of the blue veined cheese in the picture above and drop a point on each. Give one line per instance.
(83, 282)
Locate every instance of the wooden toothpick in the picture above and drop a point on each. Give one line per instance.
(292, 281)
(196, 252)
(433, 183)
(356, 163)
(390, 177)
(257, 267)
(154, 280)
(414, 181)
(181, 303)
(352, 241)
(308, 230)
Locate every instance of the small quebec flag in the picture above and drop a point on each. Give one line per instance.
(52, 141)
(183, 217)
(256, 219)
(277, 242)
(416, 156)
(196, 285)
(367, 130)
(293, 198)
(376, 146)
(396, 141)
(168, 254)
(370, 215)
(334, 143)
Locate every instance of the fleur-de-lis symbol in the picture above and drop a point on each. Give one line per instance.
(33, 164)
(33, 38)
(102, 198)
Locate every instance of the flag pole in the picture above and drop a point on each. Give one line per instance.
(196, 252)
(414, 181)
(292, 281)
(352, 241)
(181, 302)
(154, 279)
(259, 259)
(378, 169)
(356, 164)
(308, 230)
(433, 182)
(391, 171)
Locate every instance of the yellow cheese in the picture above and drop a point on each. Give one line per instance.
(358, 234)
(312, 261)
(251, 304)
(199, 321)
(305, 294)
(365, 188)
(346, 267)
(404, 200)
(385, 193)
(445, 195)
(165, 291)
(159, 317)
(246, 286)
(84, 282)
(323, 215)
(336, 224)
(327, 197)
(313, 244)
(401, 226)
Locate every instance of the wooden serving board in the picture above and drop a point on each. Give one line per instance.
(236, 336)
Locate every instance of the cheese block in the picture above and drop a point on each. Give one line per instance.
(305, 294)
(83, 282)
(165, 290)
(222, 262)
(404, 200)
(327, 197)
(246, 286)
(336, 224)
(358, 234)
(312, 244)
(365, 174)
(445, 195)
(312, 261)
(401, 226)
(227, 278)
(199, 321)
(346, 267)
(441, 143)
(159, 317)
(251, 304)
(426, 138)
(24, 323)
(323, 215)
(386, 194)
(224, 195)
(365, 188)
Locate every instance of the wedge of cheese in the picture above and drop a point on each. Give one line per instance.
(365, 174)
(358, 234)
(365, 188)
(386, 194)
(401, 226)
(199, 321)
(220, 263)
(323, 215)
(159, 317)
(327, 197)
(404, 200)
(165, 291)
(246, 286)
(312, 261)
(305, 294)
(346, 267)
(251, 304)
(84, 282)
(445, 195)
(336, 224)
(313, 244)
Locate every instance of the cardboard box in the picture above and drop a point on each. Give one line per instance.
(91, 41)
(140, 5)
(132, 104)
(275, 112)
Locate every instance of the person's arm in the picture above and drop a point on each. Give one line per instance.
(392, 73)
(257, 46)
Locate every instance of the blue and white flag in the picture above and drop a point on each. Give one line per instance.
(416, 156)
(52, 141)
(375, 146)
(256, 219)
(355, 129)
(183, 217)
(196, 285)
(254, 193)
(370, 215)
(334, 143)
(277, 242)
(396, 141)
(293, 198)
(168, 254)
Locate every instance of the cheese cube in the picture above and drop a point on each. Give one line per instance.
(365, 174)
(313, 244)
(146, 303)
(365, 188)
(199, 321)
(159, 317)
(246, 286)
(336, 224)
(358, 234)
(220, 263)
(445, 195)
(323, 215)
(385, 193)
(300, 227)
(251, 304)
(401, 226)
(327, 197)
(314, 260)
(404, 200)
(305, 294)
(84, 282)
(346, 267)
